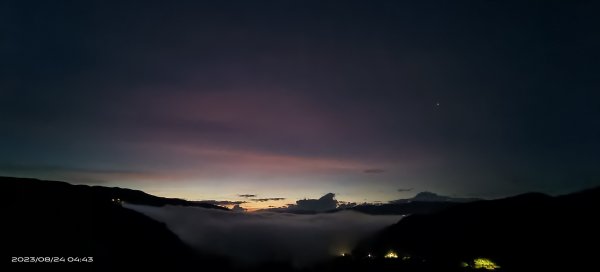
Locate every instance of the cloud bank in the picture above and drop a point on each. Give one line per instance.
(253, 238)
(222, 202)
(247, 195)
(325, 203)
(268, 199)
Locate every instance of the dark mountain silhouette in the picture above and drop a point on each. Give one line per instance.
(141, 198)
(415, 207)
(56, 219)
(530, 232)
(433, 197)
(422, 203)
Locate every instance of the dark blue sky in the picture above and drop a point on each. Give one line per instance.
(293, 99)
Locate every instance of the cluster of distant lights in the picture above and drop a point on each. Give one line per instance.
(477, 263)
(482, 263)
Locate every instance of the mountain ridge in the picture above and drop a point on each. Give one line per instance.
(519, 232)
(113, 193)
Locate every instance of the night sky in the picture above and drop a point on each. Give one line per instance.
(294, 99)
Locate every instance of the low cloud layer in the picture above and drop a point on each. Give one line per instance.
(238, 208)
(247, 195)
(252, 238)
(222, 202)
(268, 199)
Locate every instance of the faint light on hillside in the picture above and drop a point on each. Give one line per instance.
(485, 263)
(391, 255)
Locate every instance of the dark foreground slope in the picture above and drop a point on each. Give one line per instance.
(56, 219)
(531, 232)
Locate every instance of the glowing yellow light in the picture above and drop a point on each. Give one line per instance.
(343, 254)
(483, 263)
(391, 255)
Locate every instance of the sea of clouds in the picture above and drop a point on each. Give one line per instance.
(253, 238)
